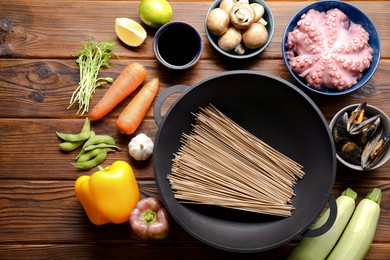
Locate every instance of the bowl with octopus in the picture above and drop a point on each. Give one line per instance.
(361, 133)
(239, 29)
(331, 47)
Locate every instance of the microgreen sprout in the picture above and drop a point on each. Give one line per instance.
(91, 58)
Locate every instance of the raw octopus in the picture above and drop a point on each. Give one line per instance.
(329, 50)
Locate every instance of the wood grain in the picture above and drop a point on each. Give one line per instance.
(40, 217)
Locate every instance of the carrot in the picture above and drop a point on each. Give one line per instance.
(130, 78)
(135, 111)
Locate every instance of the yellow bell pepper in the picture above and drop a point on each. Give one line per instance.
(108, 195)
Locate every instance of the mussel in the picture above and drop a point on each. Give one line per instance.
(375, 149)
(347, 147)
(358, 122)
(360, 140)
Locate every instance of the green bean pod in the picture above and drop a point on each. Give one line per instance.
(74, 137)
(98, 159)
(91, 154)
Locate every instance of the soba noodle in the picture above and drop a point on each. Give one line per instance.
(220, 163)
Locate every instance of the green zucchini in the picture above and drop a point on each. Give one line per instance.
(319, 247)
(357, 238)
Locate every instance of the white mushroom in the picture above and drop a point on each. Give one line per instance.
(231, 39)
(227, 5)
(242, 1)
(259, 11)
(239, 49)
(255, 36)
(242, 15)
(218, 21)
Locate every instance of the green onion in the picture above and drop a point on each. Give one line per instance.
(91, 58)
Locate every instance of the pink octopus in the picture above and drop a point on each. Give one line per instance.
(328, 50)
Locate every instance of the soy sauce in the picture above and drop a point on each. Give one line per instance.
(178, 45)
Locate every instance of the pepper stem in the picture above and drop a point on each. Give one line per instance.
(149, 217)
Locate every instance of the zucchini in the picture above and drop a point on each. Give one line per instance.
(360, 231)
(319, 247)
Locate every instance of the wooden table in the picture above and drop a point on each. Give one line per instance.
(40, 216)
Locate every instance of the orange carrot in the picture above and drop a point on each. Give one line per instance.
(135, 111)
(130, 78)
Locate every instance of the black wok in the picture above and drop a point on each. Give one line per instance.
(278, 113)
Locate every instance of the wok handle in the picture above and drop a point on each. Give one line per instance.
(329, 222)
(161, 99)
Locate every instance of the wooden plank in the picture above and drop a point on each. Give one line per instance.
(30, 151)
(191, 250)
(42, 88)
(40, 216)
(135, 251)
(32, 144)
(35, 213)
(52, 29)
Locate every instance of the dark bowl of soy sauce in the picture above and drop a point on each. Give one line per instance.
(178, 45)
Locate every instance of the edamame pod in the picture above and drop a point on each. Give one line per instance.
(70, 146)
(97, 139)
(74, 137)
(67, 146)
(100, 146)
(91, 154)
(98, 159)
(87, 126)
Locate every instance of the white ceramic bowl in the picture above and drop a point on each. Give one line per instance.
(370, 111)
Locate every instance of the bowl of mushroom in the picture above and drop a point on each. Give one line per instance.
(239, 29)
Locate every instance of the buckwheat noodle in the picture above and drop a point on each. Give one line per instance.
(220, 163)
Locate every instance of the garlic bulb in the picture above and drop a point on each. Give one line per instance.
(141, 147)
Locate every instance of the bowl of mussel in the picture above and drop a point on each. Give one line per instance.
(361, 133)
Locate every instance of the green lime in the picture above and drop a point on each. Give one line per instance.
(155, 13)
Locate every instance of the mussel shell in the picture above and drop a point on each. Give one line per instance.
(374, 150)
(362, 127)
(351, 152)
(339, 130)
(369, 133)
(359, 111)
(346, 145)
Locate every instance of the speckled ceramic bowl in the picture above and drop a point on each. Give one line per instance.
(370, 111)
(356, 16)
(249, 53)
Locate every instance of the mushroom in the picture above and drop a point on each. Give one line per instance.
(242, 1)
(227, 5)
(239, 49)
(218, 21)
(255, 36)
(259, 11)
(231, 39)
(242, 15)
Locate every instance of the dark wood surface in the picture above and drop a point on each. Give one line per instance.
(40, 217)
